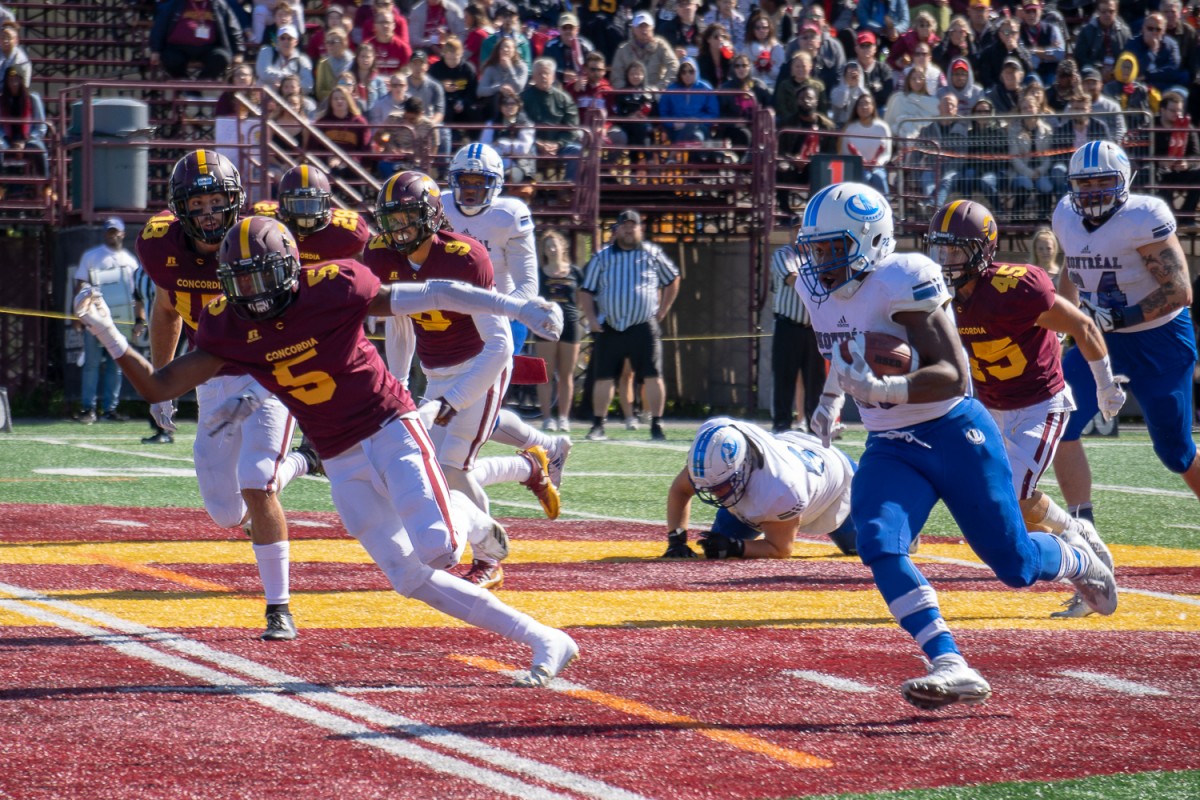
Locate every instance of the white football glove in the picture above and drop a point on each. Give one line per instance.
(1103, 317)
(233, 412)
(856, 377)
(826, 420)
(164, 415)
(94, 314)
(1109, 392)
(542, 317)
(428, 412)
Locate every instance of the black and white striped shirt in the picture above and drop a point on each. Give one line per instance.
(785, 261)
(626, 283)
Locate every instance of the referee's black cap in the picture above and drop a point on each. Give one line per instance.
(628, 215)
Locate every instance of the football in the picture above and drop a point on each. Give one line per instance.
(884, 353)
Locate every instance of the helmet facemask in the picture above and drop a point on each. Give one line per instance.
(260, 287)
(1091, 198)
(474, 190)
(832, 264)
(961, 259)
(305, 210)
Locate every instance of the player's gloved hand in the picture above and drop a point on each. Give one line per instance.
(164, 415)
(677, 546)
(94, 314)
(826, 421)
(1110, 394)
(233, 412)
(1112, 319)
(857, 378)
(436, 412)
(717, 546)
(542, 317)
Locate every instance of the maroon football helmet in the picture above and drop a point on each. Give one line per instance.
(259, 268)
(305, 199)
(962, 238)
(206, 172)
(409, 210)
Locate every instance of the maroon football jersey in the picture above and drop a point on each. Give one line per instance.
(189, 278)
(344, 237)
(314, 357)
(1014, 362)
(444, 338)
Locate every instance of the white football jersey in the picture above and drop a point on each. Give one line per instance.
(799, 478)
(900, 282)
(506, 229)
(1105, 263)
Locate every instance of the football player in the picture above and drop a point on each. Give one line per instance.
(1007, 317)
(767, 489)
(467, 358)
(926, 439)
(241, 448)
(305, 206)
(1126, 268)
(299, 332)
(505, 227)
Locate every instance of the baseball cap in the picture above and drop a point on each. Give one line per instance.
(960, 63)
(568, 19)
(629, 215)
(1012, 62)
(643, 18)
(114, 223)
(287, 30)
(503, 9)
(1032, 4)
(1089, 74)
(981, 3)
(866, 37)
(810, 25)
(420, 55)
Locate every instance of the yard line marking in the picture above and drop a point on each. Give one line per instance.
(742, 741)
(119, 451)
(1186, 527)
(157, 572)
(379, 689)
(312, 523)
(829, 681)
(1116, 684)
(271, 697)
(124, 523)
(1107, 487)
(326, 696)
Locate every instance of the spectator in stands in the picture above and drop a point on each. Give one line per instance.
(1046, 253)
(548, 105)
(923, 31)
(364, 20)
(726, 14)
(958, 43)
(403, 138)
(1043, 41)
(335, 20)
(1007, 46)
(987, 142)
(591, 90)
(291, 86)
(508, 26)
(503, 67)
(741, 107)
(827, 52)
(1178, 148)
(479, 28)
(868, 136)
(1131, 94)
(922, 58)
(1103, 106)
(797, 147)
(25, 125)
(962, 85)
(431, 21)
(345, 126)
(392, 49)
(1079, 127)
(606, 24)
(909, 110)
(787, 89)
(688, 98)
(432, 95)
(241, 78)
(1034, 89)
(653, 52)
(683, 30)
(1175, 28)
(983, 27)
(287, 118)
(887, 19)
(1101, 39)
(845, 95)
(877, 76)
(460, 84)
(392, 102)
(370, 84)
(206, 31)
(763, 49)
(1066, 84)
(1006, 94)
(11, 52)
(285, 58)
(631, 108)
(1158, 58)
(338, 59)
(559, 282)
(783, 18)
(715, 60)
(510, 133)
(569, 50)
(264, 26)
(948, 136)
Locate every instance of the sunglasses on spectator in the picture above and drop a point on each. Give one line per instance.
(741, 66)
(509, 103)
(1153, 30)
(595, 69)
(762, 26)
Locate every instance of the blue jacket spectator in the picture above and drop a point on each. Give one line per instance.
(207, 31)
(871, 13)
(1157, 55)
(688, 97)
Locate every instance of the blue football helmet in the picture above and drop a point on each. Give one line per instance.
(845, 231)
(1099, 159)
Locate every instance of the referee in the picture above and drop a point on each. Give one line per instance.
(627, 290)
(794, 350)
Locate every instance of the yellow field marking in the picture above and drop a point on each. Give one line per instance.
(164, 574)
(634, 708)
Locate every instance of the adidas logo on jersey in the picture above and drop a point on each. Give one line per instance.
(1086, 249)
(841, 323)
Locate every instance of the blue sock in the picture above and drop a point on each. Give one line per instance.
(913, 603)
(1058, 559)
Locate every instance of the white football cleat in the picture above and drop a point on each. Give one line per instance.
(1096, 584)
(557, 455)
(949, 681)
(1073, 608)
(550, 656)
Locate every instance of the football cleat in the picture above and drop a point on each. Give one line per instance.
(309, 452)
(1095, 584)
(1087, 530)
(280, 627)
(557, 454)
(597, 434)
(632, 424)
(949, 681)
(656, 433)
(550, 657)
(539, 480)
(484, 574)
(1073, 608)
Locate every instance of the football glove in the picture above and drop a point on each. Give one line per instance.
(233, 412)
(94, 314)
(717, 546)
(542, 317)
(1109, 392)
(826, 421)
(1112, 319)
(857, 378)
(164, 415)
(677, 546)
(436, 412)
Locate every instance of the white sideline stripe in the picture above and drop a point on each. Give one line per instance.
(324, 695)
(1107, 487)
(379, 689)
(123, 523)
(1186, 527)
(139, 453)
(829, 681)
(1116, 684)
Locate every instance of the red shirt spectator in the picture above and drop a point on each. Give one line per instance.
(923, 30)
(392, 50)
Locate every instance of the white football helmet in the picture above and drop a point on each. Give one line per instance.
(845, 231)
(476, 159)
(718, 463)
(1099, 159)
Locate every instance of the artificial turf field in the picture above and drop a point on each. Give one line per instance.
(130, 664)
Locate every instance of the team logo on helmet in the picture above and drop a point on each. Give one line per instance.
(863, 208)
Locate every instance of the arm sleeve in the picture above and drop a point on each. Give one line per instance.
(520, 258)
(400, 343)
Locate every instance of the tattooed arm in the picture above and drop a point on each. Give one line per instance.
(1166, 262)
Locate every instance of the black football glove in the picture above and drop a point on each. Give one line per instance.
(717, 546)
(677, 546)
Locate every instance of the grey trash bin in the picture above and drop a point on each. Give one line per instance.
(119, 174)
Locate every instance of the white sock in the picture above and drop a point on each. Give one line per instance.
(478, 607)
(293, 466)
(1074, 561)
(511, 429)
(273, 560)
(502, 469)
(1056, 518)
